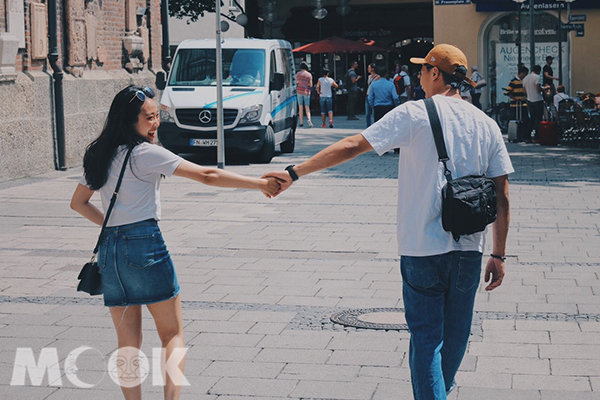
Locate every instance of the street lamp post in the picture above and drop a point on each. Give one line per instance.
(531, 35)
(560, 60)
(219, 68)
(519, 4)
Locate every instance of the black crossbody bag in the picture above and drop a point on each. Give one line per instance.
(89, 277)
(468, 203)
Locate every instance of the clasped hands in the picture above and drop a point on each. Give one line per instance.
(278, 181)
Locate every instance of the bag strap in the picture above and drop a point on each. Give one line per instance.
(112, 200)
(438, 136)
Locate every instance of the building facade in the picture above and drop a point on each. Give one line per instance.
(102, 46)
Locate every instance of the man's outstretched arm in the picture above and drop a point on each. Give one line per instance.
(338, 153)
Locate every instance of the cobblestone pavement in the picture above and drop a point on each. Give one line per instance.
(261, 277)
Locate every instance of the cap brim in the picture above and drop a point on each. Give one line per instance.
(416, 60)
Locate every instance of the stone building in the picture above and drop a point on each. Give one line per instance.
(102, 46)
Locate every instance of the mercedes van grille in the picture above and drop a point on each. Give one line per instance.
(204, 117)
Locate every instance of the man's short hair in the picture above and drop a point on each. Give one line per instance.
(304, 65)
(523, 70)
(537, 69)
(325, 71)
(382, 72)
(560, 89)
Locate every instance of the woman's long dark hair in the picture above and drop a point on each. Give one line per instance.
(119, 129)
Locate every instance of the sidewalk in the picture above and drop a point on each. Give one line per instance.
(261, 277)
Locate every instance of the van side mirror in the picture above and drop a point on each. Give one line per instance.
(277, 82)
(161, 80)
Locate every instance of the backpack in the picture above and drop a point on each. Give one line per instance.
(399, 83)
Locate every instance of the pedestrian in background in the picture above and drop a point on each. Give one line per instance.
(373, 76)
(535, 101)
(418, 93)
(548, 78)
(518, 105)
(403, 84)
(476, 91)
(324, 85)
(382, 96)
(440, 276)
(303, 86)
(135, 266)
(352, 87)
(560, 96)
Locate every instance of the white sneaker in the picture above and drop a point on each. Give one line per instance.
(310, 125)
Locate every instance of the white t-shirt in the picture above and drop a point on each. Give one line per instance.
(139, 195)
(406, 80)
(475, 147)
(325, 86)
(530, 83)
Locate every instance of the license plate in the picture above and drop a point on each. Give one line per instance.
(203, 142)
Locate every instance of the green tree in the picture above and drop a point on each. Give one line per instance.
(193, 9)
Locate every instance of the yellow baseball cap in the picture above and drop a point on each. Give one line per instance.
(449, 59)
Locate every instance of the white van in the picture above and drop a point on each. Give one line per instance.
(259, 98)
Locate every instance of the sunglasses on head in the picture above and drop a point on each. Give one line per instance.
(142, 95)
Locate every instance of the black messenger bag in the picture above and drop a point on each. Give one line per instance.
(468, 203)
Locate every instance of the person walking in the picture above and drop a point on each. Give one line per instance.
(352, 87)
(440, 276)
(303, 86)
(382, 96)
(476, 91)
(373, 76)
(535, 102)
(135, 266)
(324, 85)
(548, 79)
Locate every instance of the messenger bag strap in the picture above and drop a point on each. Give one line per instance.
(112, 200)
(438, 136)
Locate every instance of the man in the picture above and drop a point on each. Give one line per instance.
(403, 84)
(476, 91)
(535, 101)
(382, 95)
(352, 87)
(518, 105)
(373, 76)
(440, 275)
(549, 78)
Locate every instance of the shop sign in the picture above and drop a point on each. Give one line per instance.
(580, 28)
(544, 5)
(451, 2)
(578, 18)
(507, 57)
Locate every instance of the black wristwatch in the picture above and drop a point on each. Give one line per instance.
(293, 174)
(498, 257)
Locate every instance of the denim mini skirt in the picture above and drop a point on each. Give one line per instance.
(135, 265)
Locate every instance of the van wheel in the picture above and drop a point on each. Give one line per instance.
(290, 143)
(265, 155)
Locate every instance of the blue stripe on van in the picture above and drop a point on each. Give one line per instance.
(214, 103)
(283, 105)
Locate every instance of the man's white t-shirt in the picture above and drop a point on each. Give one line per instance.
(475, 147)
(530, 83)
(325, 85)
(139, 195)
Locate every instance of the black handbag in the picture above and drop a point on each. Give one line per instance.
(468, 203)
(89, 277)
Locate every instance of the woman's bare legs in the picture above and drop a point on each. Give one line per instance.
(128, 323)
(169, 323)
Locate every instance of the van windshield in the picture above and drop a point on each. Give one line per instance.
(196, 67)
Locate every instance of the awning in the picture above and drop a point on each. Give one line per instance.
(336, 44)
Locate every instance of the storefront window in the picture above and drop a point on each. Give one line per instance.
(502, 51)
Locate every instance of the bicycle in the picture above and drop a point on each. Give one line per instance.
(502, 114)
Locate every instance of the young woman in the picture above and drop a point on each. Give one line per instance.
(324, 85)
(134, 262)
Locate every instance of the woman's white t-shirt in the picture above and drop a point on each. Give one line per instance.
(139, 195)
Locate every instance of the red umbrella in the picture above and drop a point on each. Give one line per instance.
(376, 46)
(336, 44)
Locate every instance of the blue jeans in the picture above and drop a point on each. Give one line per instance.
(439, 294)
(368, 113)
(326, 105)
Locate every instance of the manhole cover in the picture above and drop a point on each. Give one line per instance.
(390, 319)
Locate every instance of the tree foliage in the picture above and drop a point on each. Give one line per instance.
(194, 9)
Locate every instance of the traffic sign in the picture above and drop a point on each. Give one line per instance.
(572, 27)
(578, 18)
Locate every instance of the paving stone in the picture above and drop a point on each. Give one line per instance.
(563, 383)
(513, 365)
(244, 369)
(254, 387)
(334, 390)
(315, 372)
(469, 393)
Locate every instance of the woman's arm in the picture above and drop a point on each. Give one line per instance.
(80, 202)
(223, 178)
